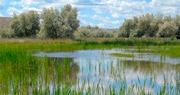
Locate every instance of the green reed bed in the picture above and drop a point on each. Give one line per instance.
(171, 51)
(22, 74)
(57, 76)
(122, 55)
(16, 66)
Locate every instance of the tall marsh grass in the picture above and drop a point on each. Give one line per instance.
(22, 74)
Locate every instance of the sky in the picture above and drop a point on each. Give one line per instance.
(103, 13)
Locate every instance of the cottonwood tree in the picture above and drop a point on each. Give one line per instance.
(167, 29)
(70, 23)
(154, 25)
(25, 24)
(32, 18)
(125, 28)
(59, 24)
(92, 32)
(177, 21)
(49, 26)
(83, 32)
(15, 25)
(149, 25)
(144, 25)
(19, 25)
(128, 26)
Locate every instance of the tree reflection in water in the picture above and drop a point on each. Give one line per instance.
(171, 72)
(63, 70)
(178, 78)
(148, 67)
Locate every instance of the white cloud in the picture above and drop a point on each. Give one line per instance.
(167, 7)
(105, 22)
(124, 8)
(100, 21)
(168, 10)
(29, 4)
(1, 15)
(100, 18)
(120, 9)
(25, 3)
(117, 9)
(83, 15)
(13, 10)
(115, 15)
(116, 22)
(85, 23)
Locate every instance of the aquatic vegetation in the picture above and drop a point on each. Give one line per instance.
(122, 55)
(87, 73)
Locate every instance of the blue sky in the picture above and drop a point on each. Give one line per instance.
(102, 13)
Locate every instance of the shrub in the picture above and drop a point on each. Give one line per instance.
(6, 33)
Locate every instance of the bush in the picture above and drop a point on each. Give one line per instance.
(149, 25)
(59, 24)
(92, 32)
(167, 29)
(25, 24)
(6, 33)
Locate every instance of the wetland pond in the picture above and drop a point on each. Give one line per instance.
(99, 72)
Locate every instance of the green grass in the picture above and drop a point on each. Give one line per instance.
(19, 69)
(122, 55)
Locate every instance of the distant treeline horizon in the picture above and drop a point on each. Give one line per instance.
(54, 23)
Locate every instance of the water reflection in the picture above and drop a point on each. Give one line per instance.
(105, 54)
(113, 73)
(64, 69)
(159, 73)
(43, 78)
(148, 67)
(96, 70)
(177, 78)
(150, 71)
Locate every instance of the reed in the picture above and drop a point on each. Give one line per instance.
(122, 55)
(22, 74)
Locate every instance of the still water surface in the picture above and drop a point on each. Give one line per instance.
(146, 70)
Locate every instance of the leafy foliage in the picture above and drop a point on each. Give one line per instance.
(26, 24)
(92, 32)
(149, 25)
(6, 33)
(177, 21)
(167, 29)
(59, 24)
(55, 23)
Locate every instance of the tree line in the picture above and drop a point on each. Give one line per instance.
(50, 23)
(54, 23)
(150, 25)
(93, 32)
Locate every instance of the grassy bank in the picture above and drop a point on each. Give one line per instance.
(155, 45)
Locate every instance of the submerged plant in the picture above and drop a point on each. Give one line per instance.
(122, 55)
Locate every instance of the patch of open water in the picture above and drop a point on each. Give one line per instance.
(105, 54)
(99, 65)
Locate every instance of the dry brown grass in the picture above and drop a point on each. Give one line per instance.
(35, 40)
(5, 22)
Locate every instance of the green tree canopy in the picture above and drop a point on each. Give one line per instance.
(25, 24)
(92, 32)
(59, 24)
(149, 25)
(167, 29)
